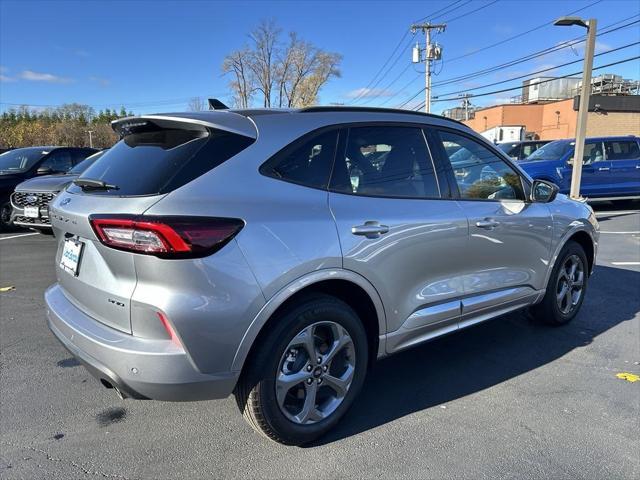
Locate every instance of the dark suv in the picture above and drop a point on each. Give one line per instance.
(21, 164)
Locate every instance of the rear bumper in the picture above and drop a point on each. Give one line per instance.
(138, 367)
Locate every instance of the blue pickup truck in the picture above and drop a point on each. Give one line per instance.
(610, 171)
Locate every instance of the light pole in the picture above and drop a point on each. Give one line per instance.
(90, 138)
(583, 109)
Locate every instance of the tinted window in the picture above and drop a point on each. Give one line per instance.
(480, 173)
(386, 162)
(20, 160)
(158, 160)
(622, 150)
(307, 161)
(552, 151)
(86, 163)
(58, 161)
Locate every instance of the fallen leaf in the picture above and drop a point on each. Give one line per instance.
(629, 377)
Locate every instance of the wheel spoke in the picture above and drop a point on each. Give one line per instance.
(340, 384)
(285, 382)
(309, 410)
(341, 340)
(568, 298)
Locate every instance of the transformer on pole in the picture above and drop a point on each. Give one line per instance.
(430, 53)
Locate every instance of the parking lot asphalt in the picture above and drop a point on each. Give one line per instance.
(506, 399)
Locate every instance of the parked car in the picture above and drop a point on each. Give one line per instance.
(21, 164)
(30, 200)
(610, 171)
(521, 150)
(261, 253)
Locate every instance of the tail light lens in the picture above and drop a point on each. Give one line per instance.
(165, 237)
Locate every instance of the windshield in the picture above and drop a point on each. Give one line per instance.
(86, 163)
(20, 160)
(551, 151)
(506, 147)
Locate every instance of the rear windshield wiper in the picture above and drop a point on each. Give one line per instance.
(91, 184)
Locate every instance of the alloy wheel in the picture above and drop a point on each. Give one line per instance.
(315, 372)
(570, 284)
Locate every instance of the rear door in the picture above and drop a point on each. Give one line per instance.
(624, 157)
(596, 170)
(154, 158)
(399, 229)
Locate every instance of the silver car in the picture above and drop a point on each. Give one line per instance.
(276, 254)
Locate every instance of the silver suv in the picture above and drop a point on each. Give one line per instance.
(275, 254)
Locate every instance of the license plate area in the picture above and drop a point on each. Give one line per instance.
(71, 256)
(32, 212)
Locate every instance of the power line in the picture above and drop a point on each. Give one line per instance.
(502, 42)
(530, 75)
(451, 99)
(526, 58)
(441, 12)
(373, 83)
(449, 20)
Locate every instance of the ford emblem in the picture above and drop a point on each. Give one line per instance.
(65, 201)
(31, 199)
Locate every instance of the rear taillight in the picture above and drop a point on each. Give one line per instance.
(165, 237)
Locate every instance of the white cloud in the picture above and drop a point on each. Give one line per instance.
(369, 92)
(32, 76)
(103, 82)
(6, 79)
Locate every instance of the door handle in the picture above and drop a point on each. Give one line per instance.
(603, 169)
(487, 223)
(370, 229)
(637, 167)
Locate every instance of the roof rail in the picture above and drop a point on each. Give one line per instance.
(375, 110)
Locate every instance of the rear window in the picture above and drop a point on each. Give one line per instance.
(159, 160)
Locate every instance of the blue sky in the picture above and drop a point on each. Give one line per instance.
(154, 56)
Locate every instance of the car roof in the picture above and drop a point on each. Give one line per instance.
(230, 119)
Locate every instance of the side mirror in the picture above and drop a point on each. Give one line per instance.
(44, 171)
(543, 191)
(570, 161)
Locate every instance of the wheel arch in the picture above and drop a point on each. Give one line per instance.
(345, 285)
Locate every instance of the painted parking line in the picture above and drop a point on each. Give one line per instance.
(636, 232)
(18, 236)
(625, 263)
(616, 212)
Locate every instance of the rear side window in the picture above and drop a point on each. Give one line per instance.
(307, 161)
(385, 161)
(622, 150)
(159, 160)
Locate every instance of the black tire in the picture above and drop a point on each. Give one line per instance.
(549, 311)
(5, 217)
(256, 390)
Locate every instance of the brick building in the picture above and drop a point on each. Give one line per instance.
(608, 115)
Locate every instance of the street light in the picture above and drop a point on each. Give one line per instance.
(583, 109)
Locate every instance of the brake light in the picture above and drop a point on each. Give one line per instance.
(167, 326)
(165, 237)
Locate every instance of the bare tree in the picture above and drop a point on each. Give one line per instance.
(196, 104)
(288, 75)
(242, 84)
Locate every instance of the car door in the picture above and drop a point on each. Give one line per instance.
(399, 228)
(596, 168)
(508, 247)
(624, 157)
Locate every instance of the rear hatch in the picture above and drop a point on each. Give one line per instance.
(156, 155)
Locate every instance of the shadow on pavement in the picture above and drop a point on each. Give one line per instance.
(486, 355)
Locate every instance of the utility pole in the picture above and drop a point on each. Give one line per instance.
(431, 53)
(466, 103)
(90, 138)
(583, 110)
